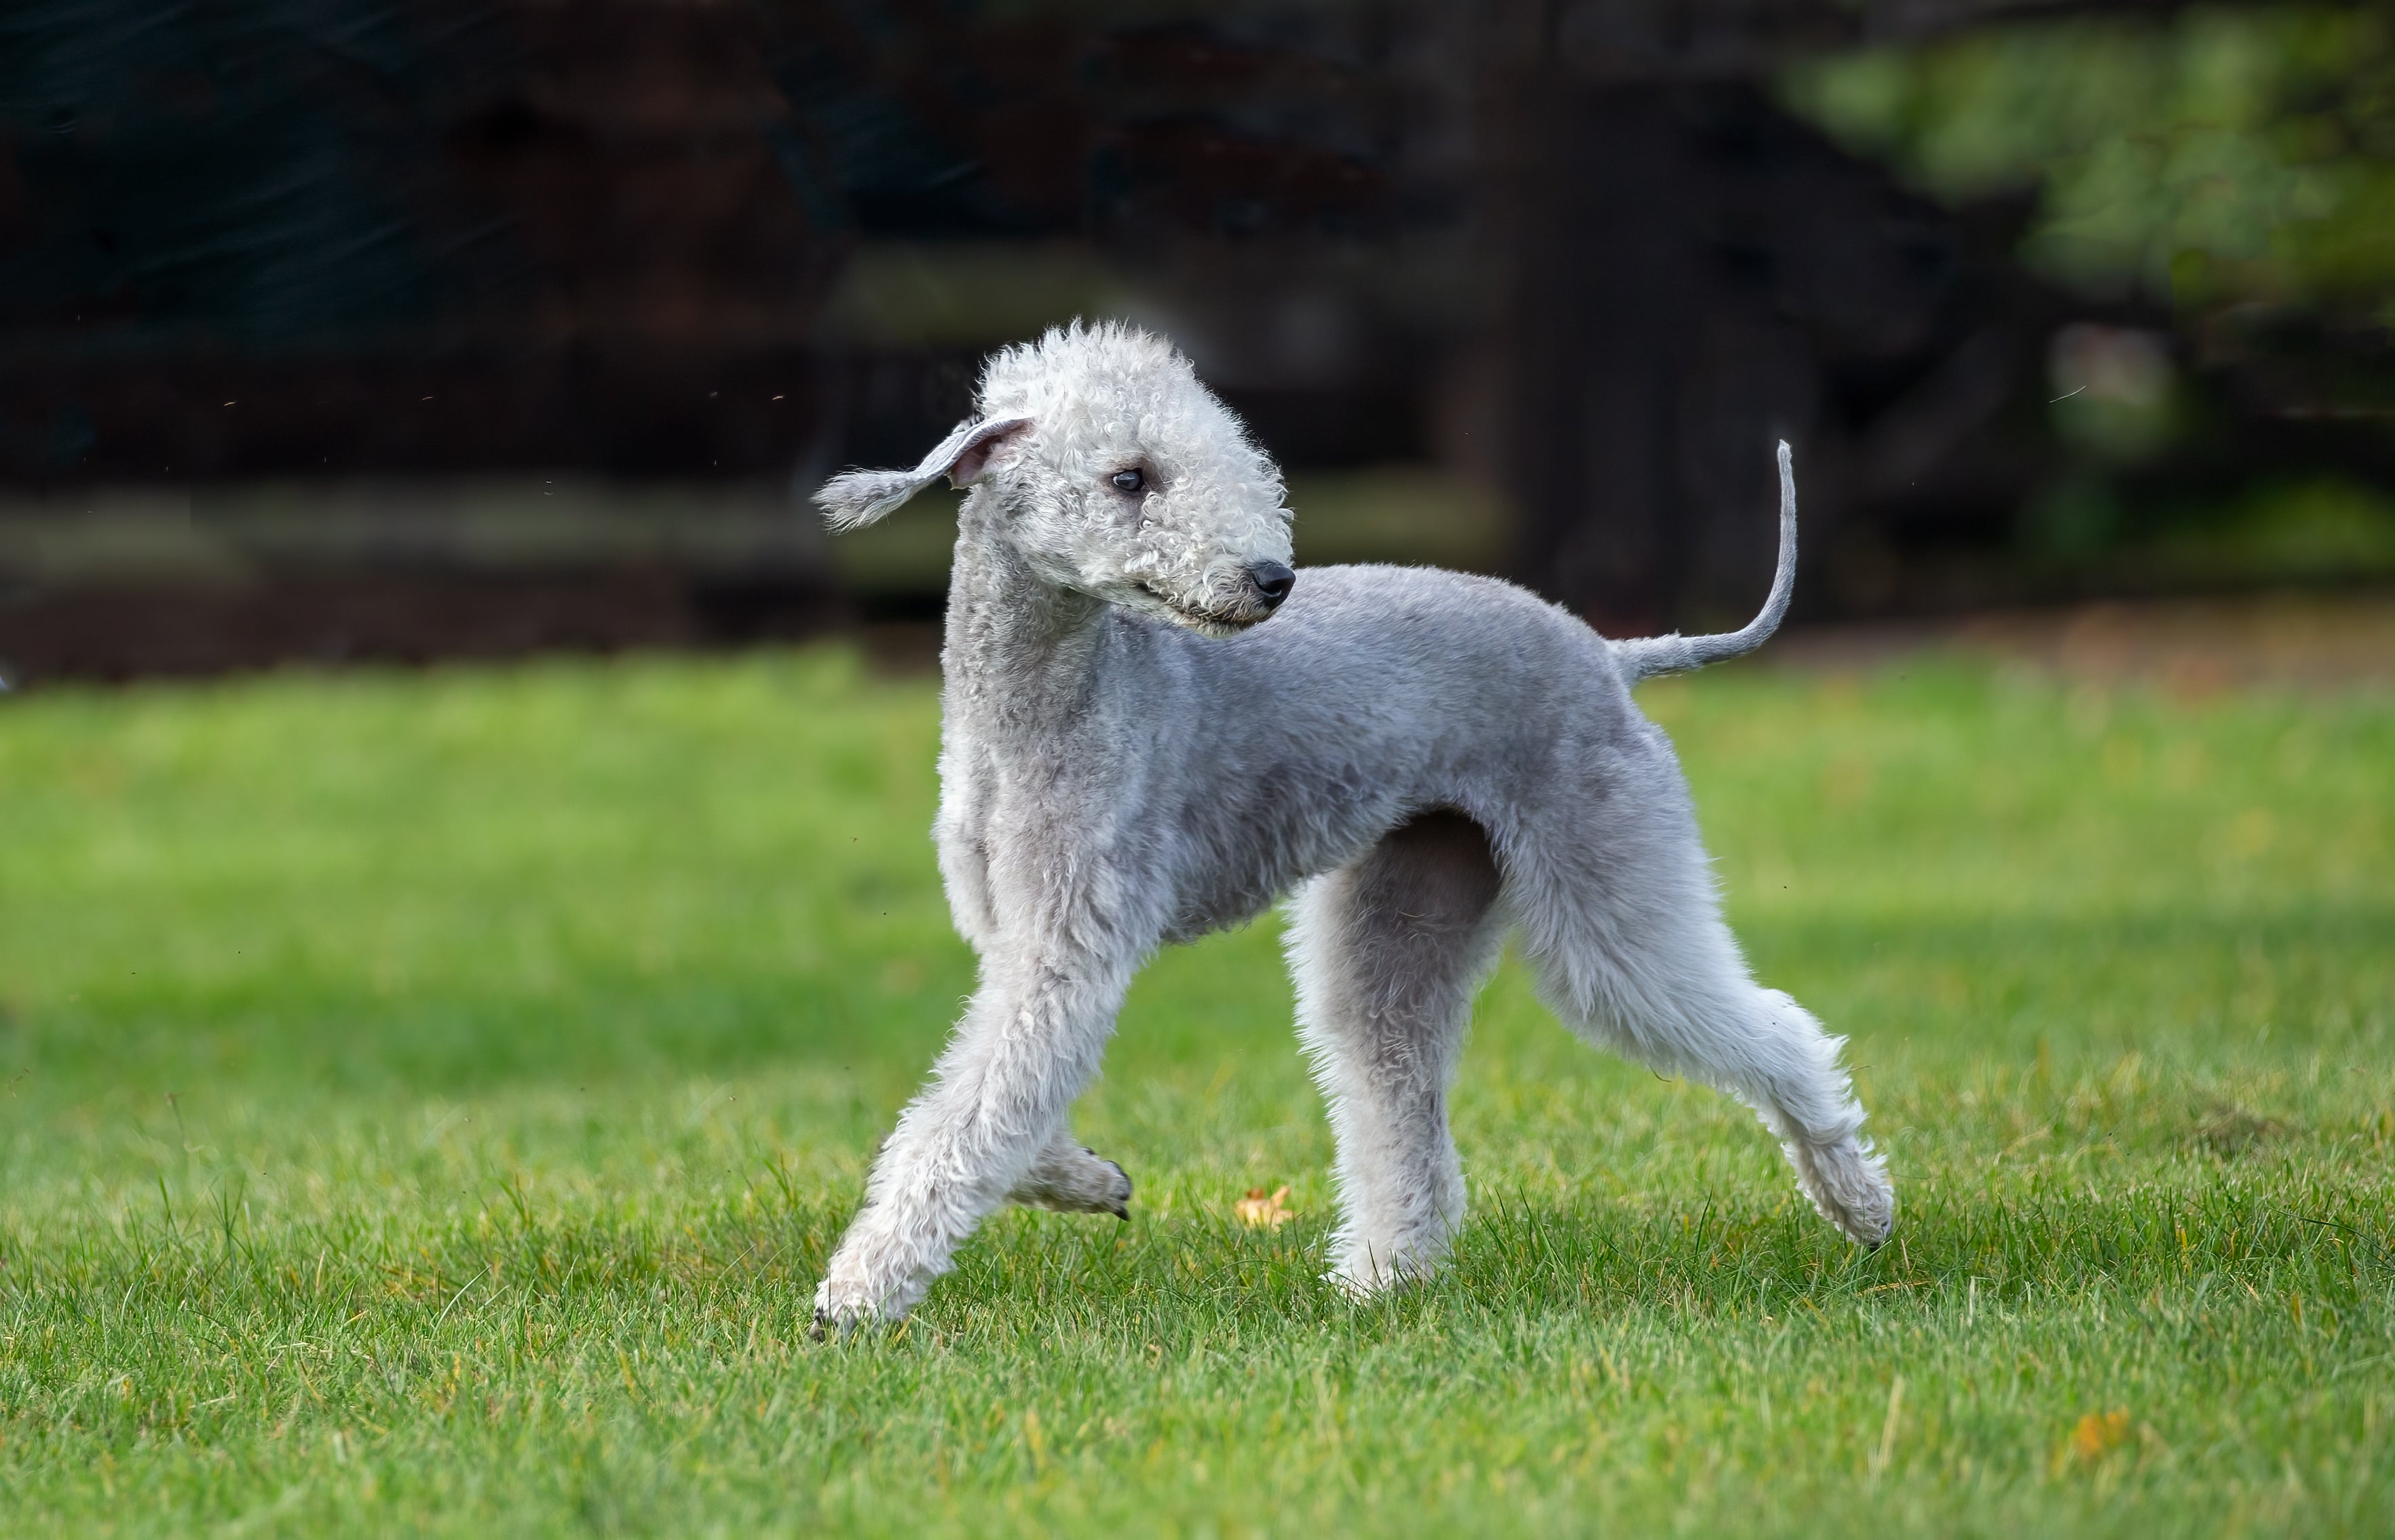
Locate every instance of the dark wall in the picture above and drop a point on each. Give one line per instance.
(275, 239)
(419, 238)
(1576, 250)
(1696, 276)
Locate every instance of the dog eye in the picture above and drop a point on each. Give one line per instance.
(1129, 481)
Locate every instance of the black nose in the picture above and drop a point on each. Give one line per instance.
(1273, 580)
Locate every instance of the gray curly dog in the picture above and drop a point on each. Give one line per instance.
(1132, 756)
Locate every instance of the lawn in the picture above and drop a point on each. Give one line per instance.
(430, 1098)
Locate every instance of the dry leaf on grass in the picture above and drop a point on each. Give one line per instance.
(1265, 1212)
(2097, 1436)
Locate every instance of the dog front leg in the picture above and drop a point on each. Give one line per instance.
(1029, 1042)
(1070, 1178)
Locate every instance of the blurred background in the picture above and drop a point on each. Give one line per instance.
(353, 329)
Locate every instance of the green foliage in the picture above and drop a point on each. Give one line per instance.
(2285, 530)
(428, 1100)
(2210, 155)
(2321, 527)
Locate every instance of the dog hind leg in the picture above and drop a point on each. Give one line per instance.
(1638, 960)
(1387, 953)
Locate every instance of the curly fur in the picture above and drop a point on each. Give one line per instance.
(1140, 743)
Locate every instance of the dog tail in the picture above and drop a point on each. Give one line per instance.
(1645, 657)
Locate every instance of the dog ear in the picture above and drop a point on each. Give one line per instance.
(857, 497)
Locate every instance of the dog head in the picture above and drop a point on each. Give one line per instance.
(1114, 473)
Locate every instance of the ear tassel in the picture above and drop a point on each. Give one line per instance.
(854, 499)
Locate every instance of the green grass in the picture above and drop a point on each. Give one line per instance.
(428, 1100)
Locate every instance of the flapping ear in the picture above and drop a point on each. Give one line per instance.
(857, 497)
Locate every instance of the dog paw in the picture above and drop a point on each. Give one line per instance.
(1360, 1289)
(1075, 1180)
(1364, 1276)
(1847, 1181)
(1118, 1190)
(844, 1307)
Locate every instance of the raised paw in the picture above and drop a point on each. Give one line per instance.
(1072, 1179)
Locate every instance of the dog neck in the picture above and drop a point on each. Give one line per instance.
(1020, 651)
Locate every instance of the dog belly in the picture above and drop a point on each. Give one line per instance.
(1216, 893)
(1224, 899)
(1219, 912)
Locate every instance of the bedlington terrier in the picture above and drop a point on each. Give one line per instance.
(1132, 756)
